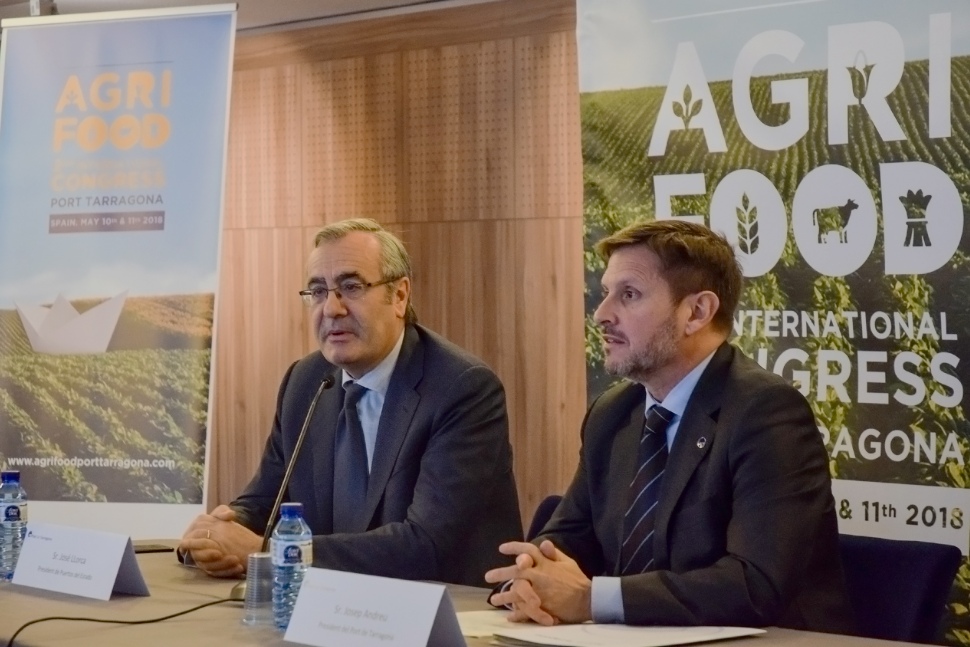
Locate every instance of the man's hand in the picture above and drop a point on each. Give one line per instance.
(519, 595)
(218, 545)
(548, 586)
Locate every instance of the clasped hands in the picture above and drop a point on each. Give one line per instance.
(218, 544)
(548, 586)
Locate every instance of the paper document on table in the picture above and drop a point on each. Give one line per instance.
(593, 635)
(484, 624)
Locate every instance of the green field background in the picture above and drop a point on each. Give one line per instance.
(145, 398)
(618, 190)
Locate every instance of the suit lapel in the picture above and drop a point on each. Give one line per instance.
(400, 403)
(624, 464)
(688, 449)
(320, 438)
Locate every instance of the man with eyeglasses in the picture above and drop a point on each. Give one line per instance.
(406, 470)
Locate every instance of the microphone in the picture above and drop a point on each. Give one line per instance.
(239, 590)
(328, 382)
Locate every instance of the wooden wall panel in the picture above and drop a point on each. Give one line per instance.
(352, 138)
(548, 151)
(260, 330)
(264, 173)
(465, 142)
(460, 132)
(435, 28)
(549, 383)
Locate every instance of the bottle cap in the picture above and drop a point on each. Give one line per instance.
(292, 510)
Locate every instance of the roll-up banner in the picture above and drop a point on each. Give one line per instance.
(113, 131)
(830, 143)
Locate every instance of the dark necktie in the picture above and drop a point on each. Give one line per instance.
(349, 462)
(636, 554)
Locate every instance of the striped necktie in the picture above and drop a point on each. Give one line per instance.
(636, 554)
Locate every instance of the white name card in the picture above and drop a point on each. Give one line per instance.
(593, 635)
(337, 609)
(77, 561)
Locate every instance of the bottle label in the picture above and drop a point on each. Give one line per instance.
(15, 512)
(292, 552)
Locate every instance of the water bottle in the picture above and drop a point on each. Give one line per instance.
(13, 522)
(292, 550)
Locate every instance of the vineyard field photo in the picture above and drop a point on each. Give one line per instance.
(127, 425)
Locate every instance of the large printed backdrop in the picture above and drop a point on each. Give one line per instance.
(112, 149)
(829, 143)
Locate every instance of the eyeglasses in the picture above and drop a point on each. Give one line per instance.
(350, 289)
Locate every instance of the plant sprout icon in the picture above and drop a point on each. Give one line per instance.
(859, 73)
(687, 110)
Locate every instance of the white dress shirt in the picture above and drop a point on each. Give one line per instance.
(371, 404)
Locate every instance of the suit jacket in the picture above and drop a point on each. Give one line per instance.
(745, 532)
(441, 495)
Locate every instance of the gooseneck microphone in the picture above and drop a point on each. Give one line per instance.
(238, 591)
(328, 382)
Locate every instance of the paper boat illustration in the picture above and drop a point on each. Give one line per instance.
(60, 330)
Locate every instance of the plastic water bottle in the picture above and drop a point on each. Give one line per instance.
(292, 550)
(13, 522)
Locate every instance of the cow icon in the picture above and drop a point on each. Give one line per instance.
(834, 219)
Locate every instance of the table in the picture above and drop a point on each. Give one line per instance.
(174, 588)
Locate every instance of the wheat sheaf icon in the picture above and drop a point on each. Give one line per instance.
(59, 329)
(915, 205)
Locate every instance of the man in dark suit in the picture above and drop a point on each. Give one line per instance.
(415, 481)
(703, 495)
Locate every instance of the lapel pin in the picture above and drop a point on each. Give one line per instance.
(701, 442)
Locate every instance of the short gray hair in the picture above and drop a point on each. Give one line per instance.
(395, 261)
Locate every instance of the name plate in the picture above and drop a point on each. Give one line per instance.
(337, 609)
(77, 561)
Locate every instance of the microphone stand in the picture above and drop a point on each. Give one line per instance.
(238, 591)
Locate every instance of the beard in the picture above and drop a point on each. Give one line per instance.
(659, 350)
